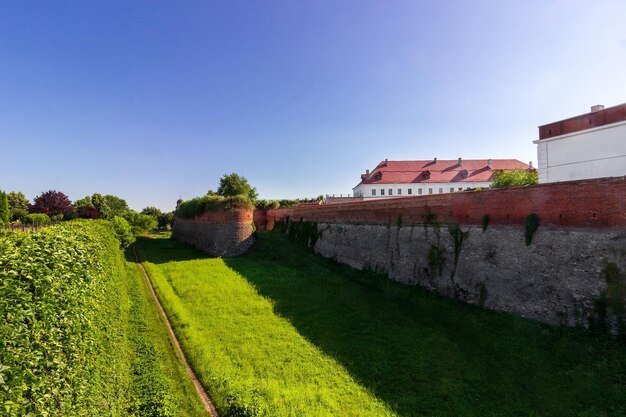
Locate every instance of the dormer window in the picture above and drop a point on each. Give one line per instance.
(426, 174)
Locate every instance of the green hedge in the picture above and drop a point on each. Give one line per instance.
(63, 319)
(200, 205)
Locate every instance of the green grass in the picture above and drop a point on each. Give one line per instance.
(283, 332)
(160, 386)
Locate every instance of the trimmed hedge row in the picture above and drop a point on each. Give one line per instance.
(64, 315)
(199, 205)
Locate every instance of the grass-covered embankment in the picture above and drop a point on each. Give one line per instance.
(282, 332)
(74, 339)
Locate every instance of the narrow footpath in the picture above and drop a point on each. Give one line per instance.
(208, 405)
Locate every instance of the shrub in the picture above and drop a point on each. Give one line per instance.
(515, 178)
(37, 218)
(123, 231)
(197, 206)
(5, 213)
(267, 204)
(63, 349)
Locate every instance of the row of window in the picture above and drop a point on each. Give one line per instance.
(410, 191)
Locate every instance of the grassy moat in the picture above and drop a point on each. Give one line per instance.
(281, 331)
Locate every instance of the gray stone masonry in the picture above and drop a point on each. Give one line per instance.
(556, 279)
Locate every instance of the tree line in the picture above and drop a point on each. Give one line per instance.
(55, 206)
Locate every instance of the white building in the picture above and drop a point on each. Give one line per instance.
(408, 178)
(592, 145)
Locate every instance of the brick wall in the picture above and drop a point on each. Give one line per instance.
(594, 203)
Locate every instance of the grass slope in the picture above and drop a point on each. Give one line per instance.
(282, 332)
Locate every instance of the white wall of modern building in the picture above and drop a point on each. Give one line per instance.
(592, 153)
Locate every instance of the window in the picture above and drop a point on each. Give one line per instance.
(451, 190)
(419, 191)
(430, 191)
(390, 191)
(441, 191)
(460, 188)
(399, 191)
(409, 191)
(373, 191)
(382, 191)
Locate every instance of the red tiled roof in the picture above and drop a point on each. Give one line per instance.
(471, 170)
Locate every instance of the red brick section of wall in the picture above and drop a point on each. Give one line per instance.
(587, 203)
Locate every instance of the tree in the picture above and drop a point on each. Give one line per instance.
(140, 223)
(152, 211)
(234, 184)
(18, 205)
(118, 206)
(166, 219)
(51, 203)
(101, 205)
(123, 231)
(87, 212)
(5, 212)
(83, 202)
(515, 178)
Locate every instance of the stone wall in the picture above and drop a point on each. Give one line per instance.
(557, 279)
(221, 233)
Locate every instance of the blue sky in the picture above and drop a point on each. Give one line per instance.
(155, 100)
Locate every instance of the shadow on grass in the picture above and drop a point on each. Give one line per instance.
(421, 354)
(425, 355)
(162, 250)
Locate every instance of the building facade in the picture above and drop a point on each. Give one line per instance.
(413, 178)
(592, 145)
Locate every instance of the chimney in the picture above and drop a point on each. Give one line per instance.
(435, 160)
(385, 160)
(367, 172)
(459, 161)
(597, 107)
(489, 163)
(530, 164)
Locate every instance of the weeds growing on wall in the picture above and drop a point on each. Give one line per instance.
(303, 232)
(436, 260)
(530, 227)
(459, 237)
(485, 222)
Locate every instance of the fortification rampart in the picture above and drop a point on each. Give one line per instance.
(218, 233)
(482, 247)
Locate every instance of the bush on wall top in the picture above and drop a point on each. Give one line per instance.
(200, 205)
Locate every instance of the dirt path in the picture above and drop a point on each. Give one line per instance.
(208, 405)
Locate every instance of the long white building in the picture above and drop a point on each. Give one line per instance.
(409, 178)
(592, 145)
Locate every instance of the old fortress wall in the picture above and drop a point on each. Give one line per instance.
(475, 246)
(219, 233)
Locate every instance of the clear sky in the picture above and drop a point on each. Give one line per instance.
(155, 100)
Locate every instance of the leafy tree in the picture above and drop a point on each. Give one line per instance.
(17, 200)
(140, 223)
(166, 219)
(123, 231)
(118, 206)
(515, 178)
(100, 203)
(87, 212)
(234, 184)
(152, 211)
(85, 201)
(5, 213)
(51, 203)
